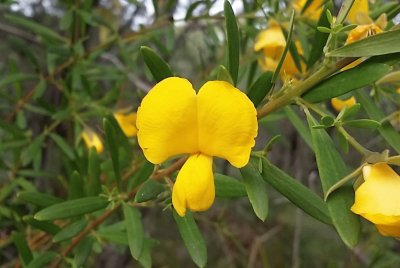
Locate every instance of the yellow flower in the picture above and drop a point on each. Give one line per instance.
(339, 104)
(217, 121)
(378, 198)
(368, 29)
(127, 122)
(359, 8)
(91, 139)
(272, 43)
(313, 11)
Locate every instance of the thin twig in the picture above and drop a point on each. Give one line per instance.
(255, 248)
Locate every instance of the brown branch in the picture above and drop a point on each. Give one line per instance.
(162, 173)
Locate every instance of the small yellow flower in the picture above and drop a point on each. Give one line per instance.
(339, 104)
(365, 30)
(378, 198)
(313, 11)
(127, 122)
(359, 8)
(217, 121)
(91, 139)
(272, 43)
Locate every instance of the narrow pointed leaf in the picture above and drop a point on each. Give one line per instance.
(344, 82)
(134, 229)
(260, 88)
(157, 66)
(233, 39)
(297, 193)
(363, 123)
(70, 231)
(71, 208)
(224, 75)
(38, 199)
(375, 113)
(63, 145)
(149, 190)
(332, 168)
(45, 226)
(42, 259)
(379, 44)
(192, 238)
(76, 186)
(22, 247)
(228, 187)
(94, 183)
(300, 126)
(256, 188)
(112, 147)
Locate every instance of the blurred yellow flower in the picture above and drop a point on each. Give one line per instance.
(339, 104)
(313, 11)
(217, 121)
(359, 8)
(378, 198)
(91, 139)
(127, 122)
(272, 43)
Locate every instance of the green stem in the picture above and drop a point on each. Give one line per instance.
(356, 145)
(292, 93)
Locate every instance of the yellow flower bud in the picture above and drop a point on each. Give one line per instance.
(91, 139)
(127, 123)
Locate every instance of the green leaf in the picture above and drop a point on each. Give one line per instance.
(332, 168)
(341, 83)
(142, 175)
(233, 39)
(320, 37)
(70, 231)
(223, 74)
(344, 10)
(22, 247)
(375, 113)
(149, 190)
(260, 88)
(35, 27)
(30, 152)
(47, 227)
(300, 126)
(297, 193)
(71, 208)
(192, 238)
(83, 250)
(42, 260)
(134, 229)
(112, 147)
(17, 77)
(145, 257)
(256, 188)
(76, 186)
(63, 145)
(288, 42)
(363, 123)
(38, 199)
(384, 8)
(94, 183)
(228, 187)
(327, 120)
(157, 66)
(379, 44)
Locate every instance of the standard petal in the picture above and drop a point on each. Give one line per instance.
(127, 122)
(167, 120)
(378, 199)
(227, 122)
(194, 187)
(359, 7)
(272, 37)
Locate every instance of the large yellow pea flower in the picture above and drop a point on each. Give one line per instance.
(217, 121)
(272, 43)
(339, 104)
(91, 139)
(313, 11)
(378, 198)
(127, 122)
